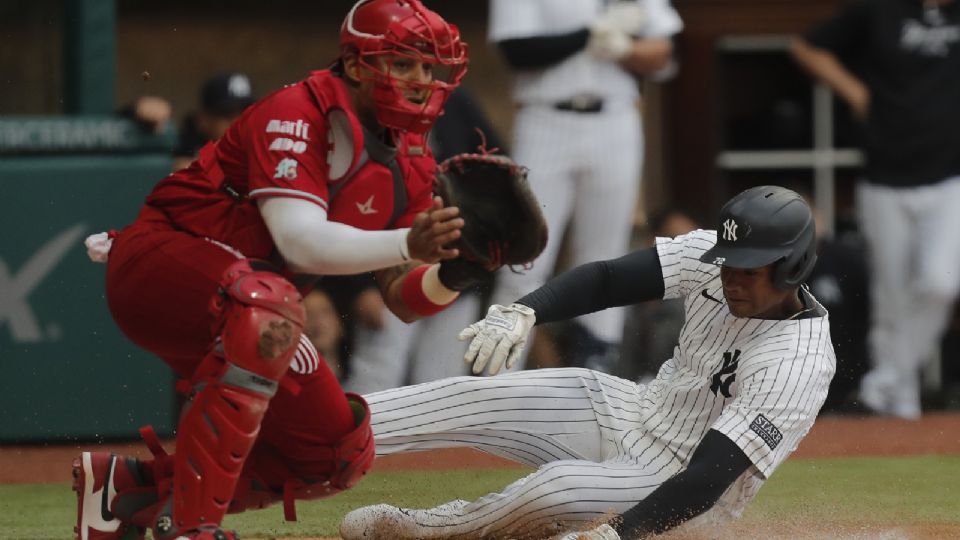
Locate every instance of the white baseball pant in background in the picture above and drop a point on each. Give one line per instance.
(914, 250)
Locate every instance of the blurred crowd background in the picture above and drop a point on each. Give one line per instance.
(736, 110)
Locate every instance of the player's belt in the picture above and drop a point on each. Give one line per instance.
(580, 104)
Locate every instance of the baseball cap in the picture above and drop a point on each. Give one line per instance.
(227, 94)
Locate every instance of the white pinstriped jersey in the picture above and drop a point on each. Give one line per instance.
(580, 73)
(759, 382)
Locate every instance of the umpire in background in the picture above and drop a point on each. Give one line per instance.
(897, 64)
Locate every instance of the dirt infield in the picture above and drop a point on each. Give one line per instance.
(937, 433)
(831, 437)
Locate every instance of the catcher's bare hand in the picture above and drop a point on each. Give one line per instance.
(499, 338)
(432, 231)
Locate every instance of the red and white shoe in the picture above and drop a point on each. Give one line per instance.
(97, 477)
(164, 529)
(206, 534)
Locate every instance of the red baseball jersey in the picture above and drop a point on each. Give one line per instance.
(302, 141)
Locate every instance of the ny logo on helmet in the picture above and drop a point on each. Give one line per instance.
(730, 230)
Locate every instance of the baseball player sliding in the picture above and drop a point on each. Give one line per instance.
(743, 387)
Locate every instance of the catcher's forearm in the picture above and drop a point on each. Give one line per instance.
(633, 278)
(413, 291)
(310, 243)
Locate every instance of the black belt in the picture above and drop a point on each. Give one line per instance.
(580, 104)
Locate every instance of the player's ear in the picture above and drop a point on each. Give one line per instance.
(351, 67)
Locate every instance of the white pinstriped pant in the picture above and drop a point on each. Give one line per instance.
(585, 171)
(569, 423)
(915, 275)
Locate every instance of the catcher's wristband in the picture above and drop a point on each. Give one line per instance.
(423, 293)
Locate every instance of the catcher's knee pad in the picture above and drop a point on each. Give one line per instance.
(321, 472)
(261, 319)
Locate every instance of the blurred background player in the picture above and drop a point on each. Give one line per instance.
(331, 175)
(897, 64)
(151, 112)
(324, 327)
(578, 128)
(223, 98)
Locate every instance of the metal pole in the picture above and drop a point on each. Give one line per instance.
(89, 59)
(823, 175)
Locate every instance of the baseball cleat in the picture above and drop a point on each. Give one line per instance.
(95, 479)
(374, 522)
(206, 534)
(386, 522)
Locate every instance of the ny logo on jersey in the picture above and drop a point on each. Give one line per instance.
(367, 207)
(729, 368)
(730, 230)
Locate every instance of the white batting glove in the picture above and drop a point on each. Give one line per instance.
(603, 532)
(609, 44)
(611, 34)
(626, 16)
(499, 338)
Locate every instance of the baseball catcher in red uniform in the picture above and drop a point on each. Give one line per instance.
(331, 175)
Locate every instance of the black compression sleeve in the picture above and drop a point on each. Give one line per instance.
(715, 464)
(542, 51)
(633, 278)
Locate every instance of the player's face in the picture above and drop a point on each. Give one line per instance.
(411, 74)
(750, 293)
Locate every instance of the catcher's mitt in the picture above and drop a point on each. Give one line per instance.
(503, 224)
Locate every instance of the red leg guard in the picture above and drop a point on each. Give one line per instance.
(262, 318)
(317, 472)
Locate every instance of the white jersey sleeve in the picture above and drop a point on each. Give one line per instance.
(781, 384)
(511, 19)
(662, 19)
(683, 273)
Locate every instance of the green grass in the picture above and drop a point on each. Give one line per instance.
(901, 491)
(870, 491)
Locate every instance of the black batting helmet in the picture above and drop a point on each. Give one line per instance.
(766, 225)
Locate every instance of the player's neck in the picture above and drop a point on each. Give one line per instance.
(789, 308)
(793, 306)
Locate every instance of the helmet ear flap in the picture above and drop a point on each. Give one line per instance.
(796, 267)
